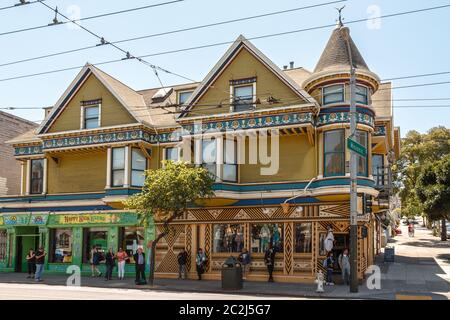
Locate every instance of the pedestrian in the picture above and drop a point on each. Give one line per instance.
(40, 259)
(344, 264)
(269, 260)
(110, 261)
(139, 261)
(329, 265)
(182, 259)
(200, 261)
(31, 262)
(245, 260)
(411, 229)
(95, 261)
(122, 257)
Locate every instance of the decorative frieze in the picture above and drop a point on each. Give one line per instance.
(380, 131)
(343, 117)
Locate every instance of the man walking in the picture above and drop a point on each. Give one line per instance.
(40, 259)
(344, 264)
(245, 260)
(182, 259)
(269, 260)
(139, 260)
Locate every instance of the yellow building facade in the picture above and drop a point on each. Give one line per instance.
(274, 139)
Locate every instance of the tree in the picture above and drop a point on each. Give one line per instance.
(165, 196)
(433, 190)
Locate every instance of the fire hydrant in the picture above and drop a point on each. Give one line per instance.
(319, 281)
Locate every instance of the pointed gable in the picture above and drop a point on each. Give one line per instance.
(120, 104)
(244, 62)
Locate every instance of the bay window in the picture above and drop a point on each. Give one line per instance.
(334, 153)
(230, 161)
(138, 166)
(171, 154)
(377, 169)
(361, 138)
(333, 94)
(118, 167)
(209, 155)
(37, 176)
(362, 95)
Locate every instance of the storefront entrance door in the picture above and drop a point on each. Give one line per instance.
(24, 243)
(341, 242)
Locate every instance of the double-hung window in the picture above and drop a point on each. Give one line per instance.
(378, 169)
(118, 167)
(171, 154)
(138, 166)
(333, 94)
(37, 176)
(362, 95)
(243, 98)
(91, 117)
(230, 161)
(334, 153)
(361, 138)
(209, 155)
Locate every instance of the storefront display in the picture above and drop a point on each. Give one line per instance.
(303, 238)
(61, 245)
(265, 234)
(228, 238)
(130, 239)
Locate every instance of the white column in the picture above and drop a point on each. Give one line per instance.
(198, 151)
(126, 179)
(44, 180)
(108, 167)
(219, 157)
(28, 182)
(186, 147)
(22, 186)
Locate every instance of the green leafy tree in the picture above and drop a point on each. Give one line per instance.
(165, 196)
(433, 190)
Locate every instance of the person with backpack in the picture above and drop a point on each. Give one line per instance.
(269, 260)
(245, 260)
(329, 265)
(182, 259)
(344, 264)
(110, 264)
(200, 261)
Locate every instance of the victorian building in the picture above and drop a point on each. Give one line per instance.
(275, 140)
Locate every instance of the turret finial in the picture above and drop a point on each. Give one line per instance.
(341, 24)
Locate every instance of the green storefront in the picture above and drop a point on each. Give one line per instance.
(68, 238)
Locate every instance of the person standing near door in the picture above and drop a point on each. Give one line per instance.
(110, 263)
(40, 259)
(31, 262)
(139, 260)
(122, 257)
(269, 260)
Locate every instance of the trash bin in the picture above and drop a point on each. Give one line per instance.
(389, 254)
(231, 274)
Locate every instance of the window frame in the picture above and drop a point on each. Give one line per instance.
(205, 164)
(309, 252)
(112, 167)
(234, 164)
(375, 174)
(251, 106)
(342, 173)
(84, 119)
(366, 102)
(3, 245)
(166, 149)
(41, 179)
(366, 158)
(53, 244)
(179, 93)
(342, 85)
(140, 170)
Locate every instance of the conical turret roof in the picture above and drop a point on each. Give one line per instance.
(336, 55)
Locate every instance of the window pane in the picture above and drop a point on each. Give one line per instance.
(118, 155)
(377, 168)
(118, 177)
(37, 174)
(230, 172)
(130, 239)
(303, 237)
(361, 138)
(61, 246)
(138, 160)
(230, 151)
(209, 151)
(361, 94)
(243, 98)
(228, 238)
(172, 154)
(91, 112)
(334, 141)
(211, 168)
(184, 96)
(334, 164)
(264, 234)
(91, 124)
(137, 178)
(332, 94)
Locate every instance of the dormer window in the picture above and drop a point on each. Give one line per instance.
(333, 94)
(362, 95)
(91, 117)
(183, 96)
(243, 93)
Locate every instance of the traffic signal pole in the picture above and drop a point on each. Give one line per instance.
(353, 175)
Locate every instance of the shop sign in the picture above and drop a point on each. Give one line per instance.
(16, 219)
(39, 219)
(97, 218)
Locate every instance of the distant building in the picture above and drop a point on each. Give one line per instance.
(10, 169)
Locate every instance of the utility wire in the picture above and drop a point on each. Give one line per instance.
(88, 18)
(20, 4)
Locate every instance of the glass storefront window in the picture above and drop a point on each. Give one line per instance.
(94, 237)
(228, 238)
(3, 240)
(303, 237)
(61, 245)
(130, 239)
(264, 234)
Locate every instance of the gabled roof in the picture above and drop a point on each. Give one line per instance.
(132, 101)
(242, 42)
(335, 56)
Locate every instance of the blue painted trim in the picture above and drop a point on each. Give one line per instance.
(58, 209)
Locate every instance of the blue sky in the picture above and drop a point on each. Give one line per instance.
(405, 45)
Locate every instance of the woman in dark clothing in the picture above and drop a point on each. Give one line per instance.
(110, 263)
(31, 261)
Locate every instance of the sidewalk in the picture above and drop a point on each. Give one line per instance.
(420, 270)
